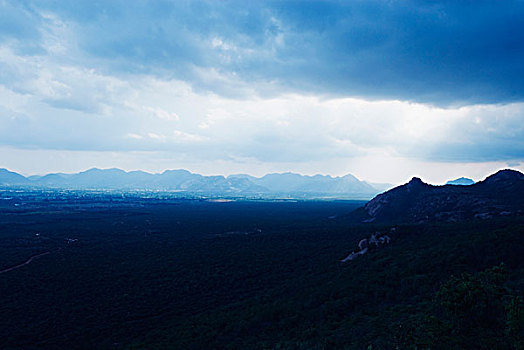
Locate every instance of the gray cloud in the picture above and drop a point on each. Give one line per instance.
(438, 52)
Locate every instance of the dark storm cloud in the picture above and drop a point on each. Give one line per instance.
(437, 52)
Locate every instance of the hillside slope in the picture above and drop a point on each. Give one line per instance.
(501, 194)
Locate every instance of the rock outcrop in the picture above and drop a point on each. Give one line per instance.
(375, 240)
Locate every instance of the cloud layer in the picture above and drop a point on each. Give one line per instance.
(274, 82)
(445, 52)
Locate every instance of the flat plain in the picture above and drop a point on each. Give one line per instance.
(120, 271)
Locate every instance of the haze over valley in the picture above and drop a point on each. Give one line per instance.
(269, 186)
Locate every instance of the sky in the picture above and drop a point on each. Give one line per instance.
(384, 90)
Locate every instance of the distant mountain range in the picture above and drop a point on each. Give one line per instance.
(463, 181)
(501, 194)
(271, 185)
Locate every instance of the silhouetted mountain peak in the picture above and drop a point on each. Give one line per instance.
(416, 183)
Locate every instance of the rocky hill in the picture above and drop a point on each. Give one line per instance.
(501, 194)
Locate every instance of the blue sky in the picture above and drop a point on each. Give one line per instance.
(381, 89)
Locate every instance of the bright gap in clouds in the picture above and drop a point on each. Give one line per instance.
(70, 119)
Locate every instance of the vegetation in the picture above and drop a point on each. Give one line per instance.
(149, 274)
